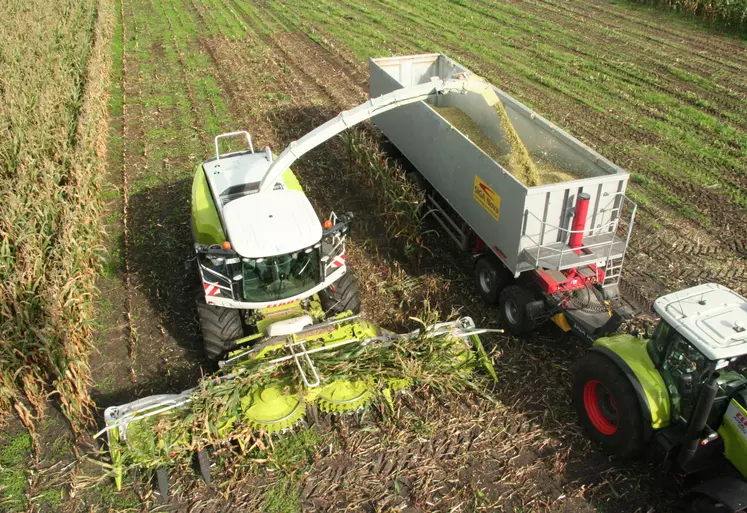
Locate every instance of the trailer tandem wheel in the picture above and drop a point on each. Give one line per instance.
(490, 278)
(512, 307)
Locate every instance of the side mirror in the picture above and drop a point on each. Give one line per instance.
(645, 329)
(685, 384)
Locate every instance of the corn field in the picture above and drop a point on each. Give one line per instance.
(54, 69)
(732, 13)
(399, 199)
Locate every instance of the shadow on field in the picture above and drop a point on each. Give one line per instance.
(161, 245)
(168, 353)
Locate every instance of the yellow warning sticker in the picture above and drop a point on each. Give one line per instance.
(487, 197)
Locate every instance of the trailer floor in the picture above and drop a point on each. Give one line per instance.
(193, 68)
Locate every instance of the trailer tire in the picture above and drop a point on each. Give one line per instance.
(607, 405)
(220, 328)
(512, 307)
(490, 277)
(341, 296)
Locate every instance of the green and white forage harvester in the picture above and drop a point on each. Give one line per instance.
(280, 310)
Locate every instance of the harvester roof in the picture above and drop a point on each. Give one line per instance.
(236, 175)
(712, 317)
(271, 223)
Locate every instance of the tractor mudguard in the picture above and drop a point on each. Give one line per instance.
(727, 490)
(639, 393)
(630, 355)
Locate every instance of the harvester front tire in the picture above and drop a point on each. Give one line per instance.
(512, 308)
(607, 406)
(220, 328)
(490, 277)
(341, 296)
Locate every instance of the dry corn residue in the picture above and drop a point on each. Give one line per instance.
(517, 161)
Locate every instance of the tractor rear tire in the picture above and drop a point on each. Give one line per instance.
(490, 277)
(607, 406)
(220, 328)
(341, 296)
(512, 308)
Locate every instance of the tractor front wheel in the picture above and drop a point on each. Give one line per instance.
(512, 307)
(341, 296)
(220, 328)
(607, 406)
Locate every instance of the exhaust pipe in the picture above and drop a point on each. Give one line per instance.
(698, 420)
(579, 221)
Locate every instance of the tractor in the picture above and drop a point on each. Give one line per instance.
(679, 394)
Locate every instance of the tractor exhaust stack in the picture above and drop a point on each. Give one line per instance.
(698, 420)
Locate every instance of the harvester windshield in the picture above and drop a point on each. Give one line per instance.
(281, 276)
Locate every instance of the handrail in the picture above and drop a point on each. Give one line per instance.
(610, 227)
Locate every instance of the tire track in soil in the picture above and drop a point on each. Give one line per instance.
(132, 131)
(658, 35)
(651, 59)
(357, 79)
(303, 64)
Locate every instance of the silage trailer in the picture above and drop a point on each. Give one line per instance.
(552, 251)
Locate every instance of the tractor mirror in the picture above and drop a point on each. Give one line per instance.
(685, 384)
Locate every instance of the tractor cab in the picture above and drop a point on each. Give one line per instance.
(701, 335)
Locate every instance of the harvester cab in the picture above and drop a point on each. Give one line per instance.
(683, 391)
(262, 255)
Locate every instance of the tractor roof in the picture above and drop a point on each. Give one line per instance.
(271, 223)
(712, 317)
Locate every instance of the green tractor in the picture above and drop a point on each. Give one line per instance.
(262, 257)
(680, 394)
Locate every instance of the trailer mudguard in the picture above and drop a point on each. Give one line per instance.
(727, 490)
(630, 355)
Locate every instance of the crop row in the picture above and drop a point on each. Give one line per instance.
(54, 73)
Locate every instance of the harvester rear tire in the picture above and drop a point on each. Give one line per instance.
(512, 308)
(491, 277)
(220, 328)
(341, 296)
(607, 406)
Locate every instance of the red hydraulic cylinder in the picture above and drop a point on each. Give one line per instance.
(579, 221)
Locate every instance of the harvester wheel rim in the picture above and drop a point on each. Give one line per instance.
(600, 407)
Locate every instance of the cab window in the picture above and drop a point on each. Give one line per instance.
(682, 359)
